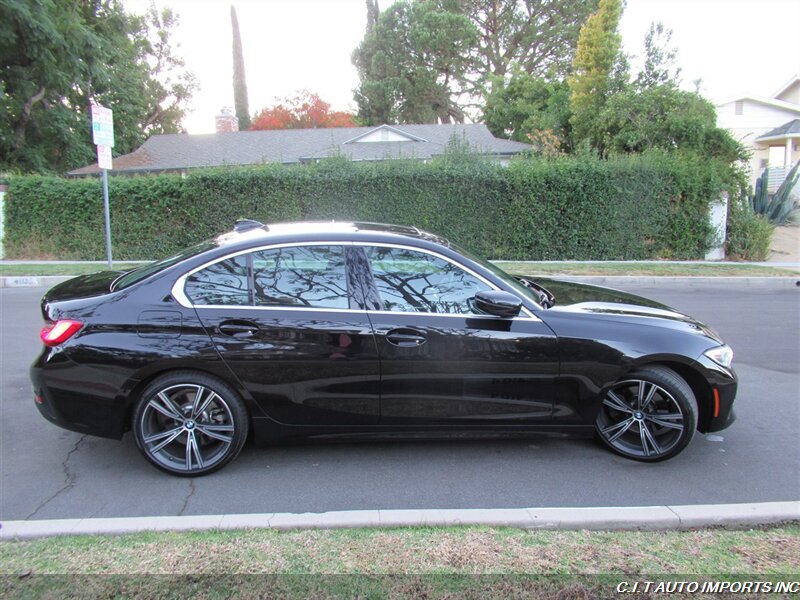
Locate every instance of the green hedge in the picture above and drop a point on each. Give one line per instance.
(636, 207)
(749, 234)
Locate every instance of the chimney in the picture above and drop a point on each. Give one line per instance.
(227, 121)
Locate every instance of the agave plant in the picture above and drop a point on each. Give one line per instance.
(777, 208)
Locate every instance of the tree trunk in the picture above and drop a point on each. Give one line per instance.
(25, 116)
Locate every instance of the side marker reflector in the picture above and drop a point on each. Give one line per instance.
(716, 402)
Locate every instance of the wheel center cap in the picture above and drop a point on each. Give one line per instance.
(638, 415)
(189, 424)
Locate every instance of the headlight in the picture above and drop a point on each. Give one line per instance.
(722, 355)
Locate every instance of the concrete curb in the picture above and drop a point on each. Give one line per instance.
(46, 281)
(606, 518)
(765, 283)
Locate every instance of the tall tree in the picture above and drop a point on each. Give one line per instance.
(170, 86)
(413, 63)
(239, 79)
(597, 54)
(659, 59)
(664, 117)
(373, 12)
(537, 37)
(57, 57)
(304, 111)
(530, 107)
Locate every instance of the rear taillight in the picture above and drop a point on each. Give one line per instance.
(59, 332)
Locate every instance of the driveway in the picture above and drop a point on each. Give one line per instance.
(49, 473)
(785, 244)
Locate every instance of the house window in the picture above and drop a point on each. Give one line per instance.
(739, 107)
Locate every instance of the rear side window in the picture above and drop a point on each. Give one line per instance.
(223, 283)
(145, 271)
(302, 276)
(311, 276)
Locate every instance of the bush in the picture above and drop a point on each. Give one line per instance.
(749, 234)
(634, 207)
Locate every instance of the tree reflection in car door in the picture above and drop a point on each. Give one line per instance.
(443, 361)
(411, 281)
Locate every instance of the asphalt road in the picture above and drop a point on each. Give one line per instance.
(49, 473)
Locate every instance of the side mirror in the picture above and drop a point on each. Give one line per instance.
(498, 303)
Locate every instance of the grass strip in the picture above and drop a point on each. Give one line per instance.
(519, 268)
(36, 269)
(454, 562)
(413, 550)
(644, 269)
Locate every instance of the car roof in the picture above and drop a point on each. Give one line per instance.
(247, 232)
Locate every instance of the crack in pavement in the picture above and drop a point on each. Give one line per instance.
(192, 490)
(69, 476)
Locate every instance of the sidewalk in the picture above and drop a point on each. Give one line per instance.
(634, 518)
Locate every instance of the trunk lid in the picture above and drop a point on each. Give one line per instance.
(76, 292)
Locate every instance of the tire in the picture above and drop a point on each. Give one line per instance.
(189, 424)
(650, 415)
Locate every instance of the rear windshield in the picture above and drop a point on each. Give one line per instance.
(145, 271)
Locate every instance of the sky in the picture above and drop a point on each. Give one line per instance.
(736, 47)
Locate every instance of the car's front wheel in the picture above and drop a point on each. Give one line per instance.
(649, 415)
(189, 423)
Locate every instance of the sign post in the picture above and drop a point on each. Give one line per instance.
(103, 137)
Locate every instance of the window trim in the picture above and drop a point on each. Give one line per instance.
(180, 296)
(447, 259)
(178, 290)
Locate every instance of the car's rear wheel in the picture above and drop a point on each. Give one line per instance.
(189, 423)
(650, 415)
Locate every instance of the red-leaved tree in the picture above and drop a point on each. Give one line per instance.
(304, 111)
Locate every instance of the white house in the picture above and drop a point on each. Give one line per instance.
(769, 127)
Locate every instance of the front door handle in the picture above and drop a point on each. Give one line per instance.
(238, 329)
(405, 338)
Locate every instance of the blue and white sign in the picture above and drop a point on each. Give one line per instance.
(102, 126)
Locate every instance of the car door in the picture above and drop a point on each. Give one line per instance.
(291, 327)
(441, 361)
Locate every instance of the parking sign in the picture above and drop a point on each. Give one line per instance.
(102, 126)
(104, 157)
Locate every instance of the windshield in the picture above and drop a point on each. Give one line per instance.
(145, 271)
(509, 279)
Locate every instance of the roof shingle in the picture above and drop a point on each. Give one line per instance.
(792, 128)
(174, 152)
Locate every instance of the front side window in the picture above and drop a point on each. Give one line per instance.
(310, 276)
(413, 281)
(223, 283)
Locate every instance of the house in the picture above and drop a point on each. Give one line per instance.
(181, 152)
(769, 127)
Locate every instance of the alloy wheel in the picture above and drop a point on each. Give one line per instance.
(187, 428)
(641, 419)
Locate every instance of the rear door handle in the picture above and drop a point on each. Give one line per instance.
(405, 338)
(238, 329)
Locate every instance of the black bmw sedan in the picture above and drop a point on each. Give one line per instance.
(360, 329)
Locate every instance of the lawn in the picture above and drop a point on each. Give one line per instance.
(518, 268)
(38, 269)
(549, 269)
(453, 562)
